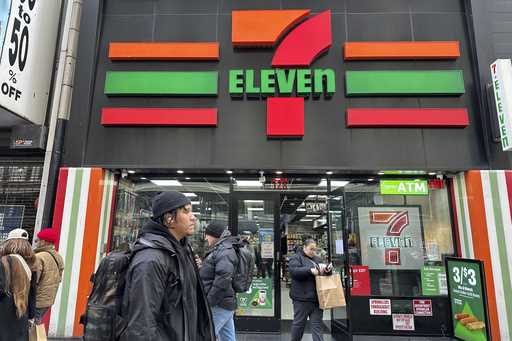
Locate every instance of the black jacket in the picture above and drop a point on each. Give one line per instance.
(217, 272)
(303, 287)
(13, 328)
(164, 298)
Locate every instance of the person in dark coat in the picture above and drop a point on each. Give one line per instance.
(303, 268)
(164, 298)
(217, 273)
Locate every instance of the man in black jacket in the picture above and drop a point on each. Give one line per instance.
(303, 268)
(217, 271)
(164, 298)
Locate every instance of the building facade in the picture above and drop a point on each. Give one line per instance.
(365, 125)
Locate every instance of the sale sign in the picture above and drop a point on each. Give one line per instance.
(360, 280)
(466, 287)
(28, 32)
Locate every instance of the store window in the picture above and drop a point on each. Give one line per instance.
(209, 198)
(20, 184)
(400, 238)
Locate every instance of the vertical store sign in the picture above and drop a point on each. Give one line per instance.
(501, 71)
(466, 286)
(28, 32)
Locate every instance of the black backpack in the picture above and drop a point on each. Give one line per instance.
(242, 278)
(102, 319)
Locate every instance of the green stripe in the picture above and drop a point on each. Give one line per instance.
(361, 83)
(161, 83)
(502, 247)
(70, 251)
(463, 216)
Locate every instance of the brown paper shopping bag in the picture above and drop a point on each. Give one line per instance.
(330, 291)
(37, 333)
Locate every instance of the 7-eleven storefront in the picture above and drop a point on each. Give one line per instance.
(85, 214)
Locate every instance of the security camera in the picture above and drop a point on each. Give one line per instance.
(262, 178)
(124, 173)
(439, 176)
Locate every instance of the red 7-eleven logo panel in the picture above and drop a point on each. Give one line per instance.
(297, 48)
(397, 222)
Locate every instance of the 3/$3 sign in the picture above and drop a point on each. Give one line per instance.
(300, 82)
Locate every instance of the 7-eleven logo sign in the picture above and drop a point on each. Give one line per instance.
(299, 40)
(397, 222)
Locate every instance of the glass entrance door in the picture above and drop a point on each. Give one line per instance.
(255, 218)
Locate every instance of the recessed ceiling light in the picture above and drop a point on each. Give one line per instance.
(180, 172)
(279, 172)
(189, 194)
(371, 179)
(187, 178)
(255, 209)
(229, 172)
(381, 173)
(167, 183)
(143, 178)
(248, 183)
(432, 173)
(329, 172)
(131, 172)
(334, 183)
(195, 202)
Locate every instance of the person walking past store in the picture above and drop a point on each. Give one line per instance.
(217, 273)
(17, 289)
(303, 267)
(164, 298)
(49, 268)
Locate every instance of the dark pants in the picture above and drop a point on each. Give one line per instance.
(301, 312)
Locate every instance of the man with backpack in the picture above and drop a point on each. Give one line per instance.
(164, 298)
(218, 275)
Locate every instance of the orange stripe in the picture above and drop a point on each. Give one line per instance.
(403, 50)
(481, 243)
(90, 243)
(163, 51)
(263, 28)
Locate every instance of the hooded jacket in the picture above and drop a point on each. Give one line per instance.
(164, 298)
(49, 267)
(217, 272)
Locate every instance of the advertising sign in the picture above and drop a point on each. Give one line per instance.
(433, 281)
(403, 322)
(466, 287)
(501, 71)
(258, 300)
(28, 32)
(360, 280)
(391, 237)
(380, 307)
(267, 243)
(422, 307)
(404, 187)
(11, 217)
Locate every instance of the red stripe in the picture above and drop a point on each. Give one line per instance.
(159, 117)
(407, 117)
(451, 188)
(508, 177)
(58, 210)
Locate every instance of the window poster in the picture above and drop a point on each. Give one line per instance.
(391, 237)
